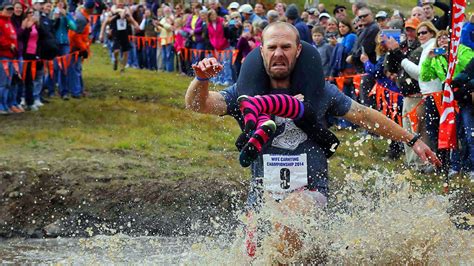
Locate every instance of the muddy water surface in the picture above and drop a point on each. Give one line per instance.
(386, 222)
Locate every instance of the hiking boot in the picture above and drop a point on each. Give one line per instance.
(65, 98)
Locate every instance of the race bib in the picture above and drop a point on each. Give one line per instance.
(284, 173)
(121, 24)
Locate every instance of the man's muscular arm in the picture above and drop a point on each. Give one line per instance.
(198, 97)
(379, 124)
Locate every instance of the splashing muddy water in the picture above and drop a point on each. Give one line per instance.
(386, 222)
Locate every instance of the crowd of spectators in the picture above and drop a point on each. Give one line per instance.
(31, 35)
(413, 65)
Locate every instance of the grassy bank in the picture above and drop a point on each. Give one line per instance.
(134, 126)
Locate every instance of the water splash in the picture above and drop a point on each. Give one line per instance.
(372, 218)
(387, 222)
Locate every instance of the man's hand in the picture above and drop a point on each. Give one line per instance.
(364, 58)
(349, 59)
(425, 153)
(207, 68)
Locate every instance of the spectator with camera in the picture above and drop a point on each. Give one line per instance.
(63, 22)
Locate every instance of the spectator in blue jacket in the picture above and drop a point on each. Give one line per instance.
(293, 17)
(63, 22)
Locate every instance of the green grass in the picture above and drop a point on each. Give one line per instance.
(134, 126)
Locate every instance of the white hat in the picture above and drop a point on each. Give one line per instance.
(381, 14)
(38, 1)
(324, 14)
(247, 9)
(234, 5)
(203, 10)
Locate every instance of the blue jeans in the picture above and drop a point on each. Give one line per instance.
(167, 53)
(432, 122)
(75, 74)
(5, 85)
(62, 76)
(16, 86)
(38, 82)
(199, 57)
(225, 76)
(458, 156)
(150, 56)
(96, 30)
(467, 116)
(367, 83)
(132, 56)
(50, 81)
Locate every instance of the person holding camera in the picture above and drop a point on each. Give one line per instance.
(166, 28)
(148, 27)
(244, 46)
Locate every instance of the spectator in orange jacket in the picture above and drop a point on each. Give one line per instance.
(79, 41)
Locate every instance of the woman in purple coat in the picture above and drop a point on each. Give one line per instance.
(194, 28)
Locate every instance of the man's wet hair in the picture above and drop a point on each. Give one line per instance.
(280, 24)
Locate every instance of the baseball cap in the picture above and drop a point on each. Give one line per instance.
(381, 14)
(246, 8)
(234, 5)
(313, 11)
(89, 4)
(324, 15)
(6, 5)
(337, 8)
(412, 23)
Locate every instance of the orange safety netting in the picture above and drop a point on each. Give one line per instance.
(356, 80)
(412, 114)
(187, 53)
(63, 62)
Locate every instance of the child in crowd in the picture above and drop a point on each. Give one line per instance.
(179, 40)
(324, 48)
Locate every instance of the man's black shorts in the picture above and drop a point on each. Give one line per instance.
(121, 43)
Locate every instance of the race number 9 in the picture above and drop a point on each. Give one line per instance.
(285, 178)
